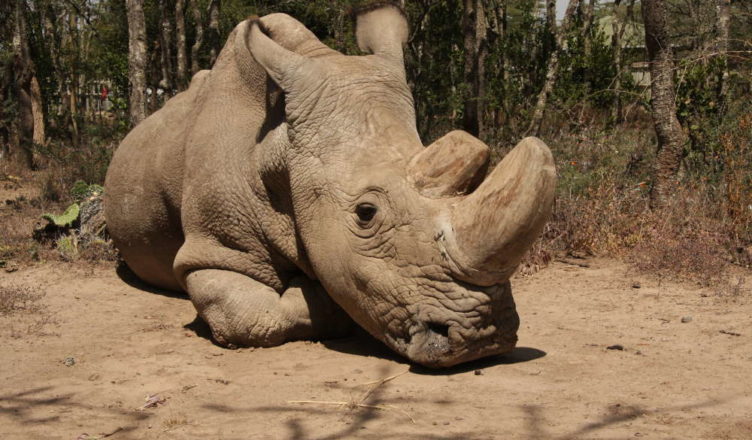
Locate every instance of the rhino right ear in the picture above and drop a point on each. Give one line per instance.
(381, 29)
(281, 65)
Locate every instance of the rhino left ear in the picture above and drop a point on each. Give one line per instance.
(381, 29)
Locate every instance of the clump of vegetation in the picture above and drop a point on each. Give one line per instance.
(80, 230)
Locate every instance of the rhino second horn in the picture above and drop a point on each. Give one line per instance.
(453, 165)
(492, 228)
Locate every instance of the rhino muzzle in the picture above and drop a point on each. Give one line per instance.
(437, 338)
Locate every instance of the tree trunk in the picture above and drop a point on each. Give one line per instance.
(182, 59)
(552, 71)
(22, 131)
(588, 16)
(724, 18)
(37, 112)
(196, 14)
(165, 44)
(136, 60)
(214, 43)
(474, 28)
(620, 25)
(671, 137)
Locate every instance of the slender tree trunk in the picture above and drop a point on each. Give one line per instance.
(551, 16)
(474, 28)
(671, 137)
(552, 71)
(724, 18)
(22, 131)
(182, 58)
(588, 16)
(136, 60)
(196, 14)
(73, 83)
(37, 111)
(214, 43)
(165, 44)
(498, 24)
(620, 25)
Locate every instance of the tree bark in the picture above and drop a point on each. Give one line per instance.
(136, 60)
(165, 43)
(37, 112)
(671, 137)
(196, 14)
(552, 71)
(214, 42)
(588, 15)
(182, 58)
(724, 18)
(616, 45)
(474, 28)
(22, 131)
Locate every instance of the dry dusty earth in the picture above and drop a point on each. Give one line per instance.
(83, 364)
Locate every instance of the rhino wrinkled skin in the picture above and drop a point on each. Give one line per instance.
(288, 193)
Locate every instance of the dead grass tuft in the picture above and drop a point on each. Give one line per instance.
(17, 299)
(602, 209)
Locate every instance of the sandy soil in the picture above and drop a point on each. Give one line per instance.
(83, 365)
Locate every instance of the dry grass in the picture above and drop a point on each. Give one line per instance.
(23, 313)
(602, 209)
(17, 299)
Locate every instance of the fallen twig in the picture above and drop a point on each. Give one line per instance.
(572, 262)
(353, 405)
(359, 404)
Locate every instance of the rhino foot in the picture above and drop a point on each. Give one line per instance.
(244, 312)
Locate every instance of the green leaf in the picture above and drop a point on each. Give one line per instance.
(66, 219)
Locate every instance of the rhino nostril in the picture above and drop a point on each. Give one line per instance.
(439, 329)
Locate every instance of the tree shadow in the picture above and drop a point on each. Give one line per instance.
(20, 406)
(128, 277)
(371, 404)
(615, 414)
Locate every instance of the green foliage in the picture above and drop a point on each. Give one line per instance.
(67, 246)
(82, 190)
(66, 219)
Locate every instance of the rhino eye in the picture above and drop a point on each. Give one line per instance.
(366, 212)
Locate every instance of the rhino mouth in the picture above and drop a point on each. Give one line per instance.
(438, 343)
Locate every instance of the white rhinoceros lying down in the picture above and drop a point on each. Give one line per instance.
(291, 175)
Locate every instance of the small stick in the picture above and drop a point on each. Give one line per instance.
(354, 405)
(383, 381)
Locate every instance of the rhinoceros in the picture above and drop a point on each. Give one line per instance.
(288, 193)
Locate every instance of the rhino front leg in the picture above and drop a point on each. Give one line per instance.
(244, 312)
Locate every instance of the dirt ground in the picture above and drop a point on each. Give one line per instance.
(80, 362)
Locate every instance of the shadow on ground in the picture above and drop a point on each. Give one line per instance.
(128, 277)
(21, 407)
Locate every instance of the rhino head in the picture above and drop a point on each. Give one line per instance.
(410, 241)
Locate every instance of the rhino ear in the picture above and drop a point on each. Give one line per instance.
(281, 64)
(381, 29)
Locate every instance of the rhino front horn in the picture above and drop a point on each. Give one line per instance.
(492, 228)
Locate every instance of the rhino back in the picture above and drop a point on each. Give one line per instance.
(187, 179)
(144, 188)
